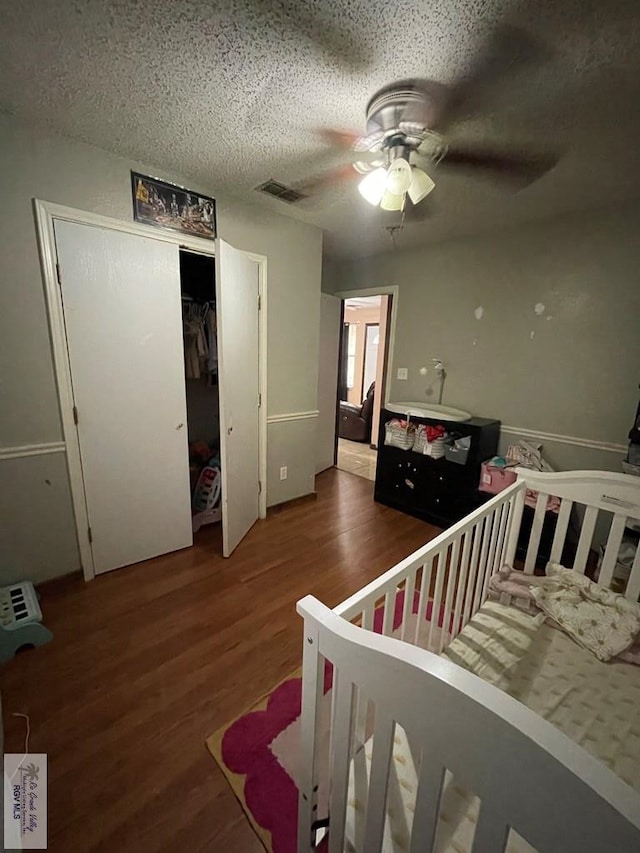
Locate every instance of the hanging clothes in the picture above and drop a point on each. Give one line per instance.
(196, 350)
(212, 361)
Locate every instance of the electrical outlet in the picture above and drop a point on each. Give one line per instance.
(403, 373)
(283, 472)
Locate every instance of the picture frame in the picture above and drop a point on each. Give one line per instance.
(165, 205)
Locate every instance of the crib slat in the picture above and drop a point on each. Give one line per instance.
(425, 820)
(407, 607)
(340, 759)
(367, 618)
(482, 564)
(473, 570)
(462, 581)
(633, 585)
(451, 582)
(502, 538)
(586, 537)
(362, 703)
(437, 597)
(491, 831)
(515, 521)
(536, 532)
(389, 610)
(425, 583)
(378, 781)
(312, 684)
(562, 525)
(491, 556)
(611, 551)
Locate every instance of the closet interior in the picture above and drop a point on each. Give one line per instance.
(199, 323)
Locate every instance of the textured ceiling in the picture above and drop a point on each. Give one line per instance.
(232, 93)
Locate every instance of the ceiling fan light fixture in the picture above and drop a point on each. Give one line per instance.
(372, 186)
(392, 201)
(421, 185)
(398, 176)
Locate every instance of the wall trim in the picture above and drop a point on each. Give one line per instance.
(21, 450)
(292, 416)
(565, 439)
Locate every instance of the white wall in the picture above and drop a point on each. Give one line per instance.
(36, 165)
(571, 370)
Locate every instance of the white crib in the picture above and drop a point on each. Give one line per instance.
(527, 774)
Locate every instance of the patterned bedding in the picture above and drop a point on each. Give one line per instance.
(596, 704)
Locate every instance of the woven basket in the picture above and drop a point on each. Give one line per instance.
(397, 435)
(435, 449)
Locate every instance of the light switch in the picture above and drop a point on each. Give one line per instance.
(403, 373)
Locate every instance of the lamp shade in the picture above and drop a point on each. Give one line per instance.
(372, 186)
(421, 185)
(392, 201)
(398, 176)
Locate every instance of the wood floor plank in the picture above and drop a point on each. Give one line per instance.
(147, 661)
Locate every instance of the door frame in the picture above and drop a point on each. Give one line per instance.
(367, 326)
(46, 213)
(392, 290)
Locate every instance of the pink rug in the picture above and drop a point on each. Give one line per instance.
(258, 753)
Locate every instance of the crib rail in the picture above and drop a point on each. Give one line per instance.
(596, 498)
(526, 773)
(428, 598)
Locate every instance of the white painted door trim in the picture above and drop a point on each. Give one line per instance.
(383, 290)
(45, 213)
(261, 260)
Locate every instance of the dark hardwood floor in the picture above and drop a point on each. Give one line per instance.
(147, 661)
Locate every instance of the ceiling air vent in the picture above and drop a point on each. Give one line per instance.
(278, 190)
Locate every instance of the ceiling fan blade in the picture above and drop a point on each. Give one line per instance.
(509, 51)
(325, 180)
(337, 138)
(518, 169)
(337, 43)
(344, 141)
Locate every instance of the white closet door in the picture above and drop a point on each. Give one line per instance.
(328, 352)
(237, 312)
(121, 296)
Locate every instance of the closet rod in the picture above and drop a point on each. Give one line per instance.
(191, 251)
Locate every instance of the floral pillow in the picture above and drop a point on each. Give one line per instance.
(598, 619)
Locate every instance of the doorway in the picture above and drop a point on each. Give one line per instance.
(356, 340)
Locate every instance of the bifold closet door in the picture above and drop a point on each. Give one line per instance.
(121, 297)
(237, 289)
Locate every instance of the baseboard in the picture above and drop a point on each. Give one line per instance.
(53, 586)
(303, 499)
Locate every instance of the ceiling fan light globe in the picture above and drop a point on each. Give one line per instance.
(398, 176)
(421, 185)
(372, 186)
(392, 201)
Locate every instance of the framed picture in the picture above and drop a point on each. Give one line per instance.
(168, 206)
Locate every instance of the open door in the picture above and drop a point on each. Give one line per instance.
(238, 367)
(121, 297)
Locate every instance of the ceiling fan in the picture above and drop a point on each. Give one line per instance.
(407, 124)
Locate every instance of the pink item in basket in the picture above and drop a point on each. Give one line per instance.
(494, 480)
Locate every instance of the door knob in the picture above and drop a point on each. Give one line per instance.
(230, 430)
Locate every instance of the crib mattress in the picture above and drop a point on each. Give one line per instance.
(596, 704)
